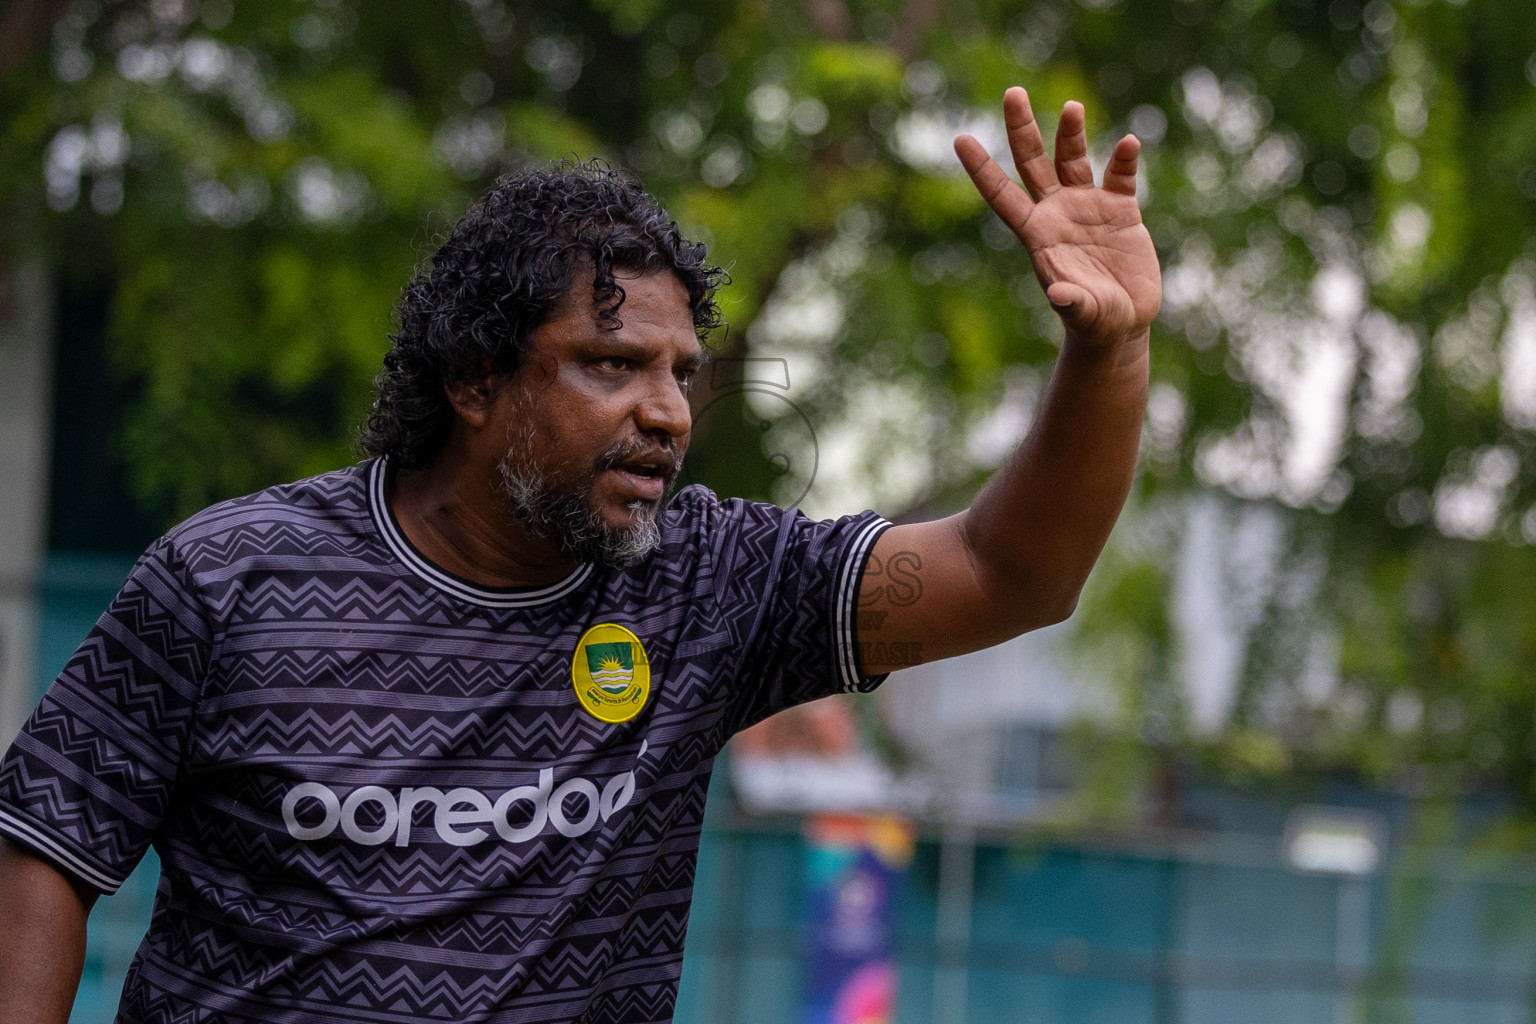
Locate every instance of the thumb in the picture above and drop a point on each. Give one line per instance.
(1074, 304)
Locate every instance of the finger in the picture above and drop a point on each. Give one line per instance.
(1007, 200)
(1028, 148)
(1072, 166)
(1120, 175)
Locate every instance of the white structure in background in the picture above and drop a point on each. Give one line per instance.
(26, 334)
(956, 717)
(981, 725)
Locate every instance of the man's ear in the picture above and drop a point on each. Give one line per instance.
(472, 396)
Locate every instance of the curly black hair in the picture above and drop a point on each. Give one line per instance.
(501, 273)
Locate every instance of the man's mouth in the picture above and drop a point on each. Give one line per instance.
(646, 476)
(646, 488)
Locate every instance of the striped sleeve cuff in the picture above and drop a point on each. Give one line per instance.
(58, 851)
(846, 606)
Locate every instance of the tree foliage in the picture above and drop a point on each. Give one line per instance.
(1343, 194)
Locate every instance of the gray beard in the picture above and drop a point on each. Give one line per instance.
(567, 516)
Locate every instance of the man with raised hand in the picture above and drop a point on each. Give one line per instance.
(429, 737)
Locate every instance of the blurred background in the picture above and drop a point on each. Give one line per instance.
(1280, 766)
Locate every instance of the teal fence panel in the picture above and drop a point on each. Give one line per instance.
(1076, 936)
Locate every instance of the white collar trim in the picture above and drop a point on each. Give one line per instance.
(454, 586)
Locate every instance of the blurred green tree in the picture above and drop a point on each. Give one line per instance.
(1339, 444)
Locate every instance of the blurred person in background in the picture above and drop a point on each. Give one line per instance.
(430, 736)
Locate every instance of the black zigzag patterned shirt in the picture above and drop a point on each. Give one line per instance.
(382, 793)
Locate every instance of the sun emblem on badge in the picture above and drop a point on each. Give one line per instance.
(611, 673)
(612, 666)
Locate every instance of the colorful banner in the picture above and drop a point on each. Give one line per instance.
(854, 869)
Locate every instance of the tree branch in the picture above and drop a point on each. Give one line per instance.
(830, 19)
(917, 17)
(24, 29)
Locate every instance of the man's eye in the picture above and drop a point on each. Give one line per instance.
(616, 363)
(685, 378)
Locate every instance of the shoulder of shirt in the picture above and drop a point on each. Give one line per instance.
(693, 498)
(698, 506)
(321, 503)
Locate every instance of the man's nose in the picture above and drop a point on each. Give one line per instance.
(665, 409)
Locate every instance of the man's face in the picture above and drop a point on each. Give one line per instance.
(597, 421)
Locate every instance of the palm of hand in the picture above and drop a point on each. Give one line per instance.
(1095, 240)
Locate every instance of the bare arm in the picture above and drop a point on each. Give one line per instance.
(42, 939)
(1018, 558)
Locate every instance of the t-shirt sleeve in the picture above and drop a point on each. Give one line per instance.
(88, 780)
(790, 594)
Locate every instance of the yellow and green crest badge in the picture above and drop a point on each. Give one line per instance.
(611, 673)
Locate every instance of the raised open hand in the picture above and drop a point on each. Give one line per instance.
(1089, 248)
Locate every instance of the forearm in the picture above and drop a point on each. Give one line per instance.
(1037, 528)
(42, 939)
